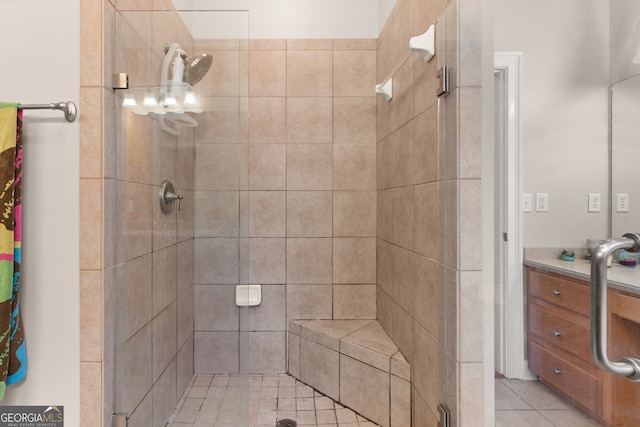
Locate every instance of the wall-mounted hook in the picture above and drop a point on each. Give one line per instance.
(424, 44)
(385, 89)
(168, 196)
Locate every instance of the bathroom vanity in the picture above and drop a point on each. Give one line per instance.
(558, 310)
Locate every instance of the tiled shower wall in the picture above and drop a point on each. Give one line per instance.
(429, 265)
(285, 195)
(136, 264)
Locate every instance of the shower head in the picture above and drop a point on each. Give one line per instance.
(196, 68)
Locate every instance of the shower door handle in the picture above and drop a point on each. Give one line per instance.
(627, 367)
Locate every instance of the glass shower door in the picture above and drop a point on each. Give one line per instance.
(176, 269)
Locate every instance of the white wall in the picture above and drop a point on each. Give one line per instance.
(41, 65)
(565, 112)
(294, 19)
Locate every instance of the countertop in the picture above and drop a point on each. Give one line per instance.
(626, 279)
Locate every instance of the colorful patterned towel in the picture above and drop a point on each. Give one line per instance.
(13, 362)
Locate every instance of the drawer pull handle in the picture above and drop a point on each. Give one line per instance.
(556, 292)
(556, 333)
(557, 371)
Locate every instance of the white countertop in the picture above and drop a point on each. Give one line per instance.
(626, 279)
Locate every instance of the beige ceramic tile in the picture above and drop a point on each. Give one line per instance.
(319, 368)
(354, 72)
(267, 352)
(354, 167)
(426, 220)
(470, 223)
(309, 260)
(267, 73)
(309, 213)
(218, 166)
(133, 296)
(425, 146)
(400, 402)
(217, 214)
(384, 266)
(426, 368)
(354, 120)
(90, 224)
(354, 260)
(90, 133)
(384, 211)
(426, 298)
(219, 123)
(309, 73)
(164, 394)
(164, 278)
(354, 302)
(267, 44)
(91, 396)
(350, 44)
(270, 315)
(364, 389)
(224, 78)
(184, 317)
(267, 167)
(402, 332)
(267, 120)
(216, 261)
(309, 120)
(164, 340)
(91, 43)
(90, 316)
(267, 260)
(134, 373)
(403, 265)
(216, 352)
(267, 213)
(354, 213)
(309, 167)
(309, 302)
(215, 308)
(309, 44)
(402, 217)
(293, 354)
(470, 130)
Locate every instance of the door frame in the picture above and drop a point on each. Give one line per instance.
(510, 337)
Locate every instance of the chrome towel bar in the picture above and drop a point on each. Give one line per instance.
(69, 108)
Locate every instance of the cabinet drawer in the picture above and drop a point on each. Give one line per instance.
(560, 332)
(562, 292)
(579, 385)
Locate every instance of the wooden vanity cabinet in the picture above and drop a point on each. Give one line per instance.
(559, 347)
(558, 337)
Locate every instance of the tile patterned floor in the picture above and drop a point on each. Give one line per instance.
(530, 404)
(221, 401)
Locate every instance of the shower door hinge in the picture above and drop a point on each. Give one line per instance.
(120, 81)
(444, 416)
(443, 81)
(119, 420)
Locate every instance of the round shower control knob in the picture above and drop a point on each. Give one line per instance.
(168, 197)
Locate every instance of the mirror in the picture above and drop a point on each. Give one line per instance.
(625, 153)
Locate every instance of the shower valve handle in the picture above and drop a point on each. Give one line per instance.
(168, 196)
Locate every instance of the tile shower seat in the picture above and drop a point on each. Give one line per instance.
(355, 363)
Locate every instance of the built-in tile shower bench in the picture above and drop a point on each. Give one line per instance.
(356, 364)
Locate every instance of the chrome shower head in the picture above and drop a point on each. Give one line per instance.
(196, 68)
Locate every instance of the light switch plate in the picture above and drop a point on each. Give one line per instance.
(527, 202)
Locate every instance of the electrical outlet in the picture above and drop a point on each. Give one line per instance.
(542, 202)
(527, 203)
(594, 202)
(622, 202)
